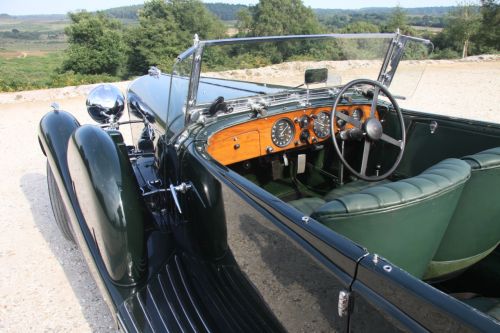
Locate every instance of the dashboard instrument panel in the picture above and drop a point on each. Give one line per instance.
(276, 133)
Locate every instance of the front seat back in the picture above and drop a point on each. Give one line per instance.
(474, 230)
(403, 221)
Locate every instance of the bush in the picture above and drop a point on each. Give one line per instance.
(75, 79)
(445, 54)
(95, 44)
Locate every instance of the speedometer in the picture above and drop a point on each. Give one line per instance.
(283, 132)
(322, 125)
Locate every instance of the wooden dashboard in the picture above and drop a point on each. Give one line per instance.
(254, 138)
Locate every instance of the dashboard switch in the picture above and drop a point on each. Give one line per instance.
(304, 136)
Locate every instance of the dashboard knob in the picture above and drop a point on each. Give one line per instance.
(304, 121)
(304, 136)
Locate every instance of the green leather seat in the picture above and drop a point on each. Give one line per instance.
(403, 221)
(474, 230)
(308, 205)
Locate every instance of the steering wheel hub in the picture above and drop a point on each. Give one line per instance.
(373, 129)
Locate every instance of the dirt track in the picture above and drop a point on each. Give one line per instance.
(44, 283)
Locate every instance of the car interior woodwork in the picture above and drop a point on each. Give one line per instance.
(436, 251)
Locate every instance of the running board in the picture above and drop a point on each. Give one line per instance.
(190, 295)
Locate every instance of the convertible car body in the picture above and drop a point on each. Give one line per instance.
(274, 206)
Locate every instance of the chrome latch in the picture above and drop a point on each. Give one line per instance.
(343, 306)
(258, 107)
(433, 126)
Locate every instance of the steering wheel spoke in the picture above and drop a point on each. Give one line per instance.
(374, 102)
(366, 154)
(392, 141)
(345, 117)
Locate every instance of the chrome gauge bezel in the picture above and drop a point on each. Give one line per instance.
(275, 138)
(325, 125)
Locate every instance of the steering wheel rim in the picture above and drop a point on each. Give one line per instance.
(371, 128)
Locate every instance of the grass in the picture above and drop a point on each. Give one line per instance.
(40, 72)
(35, 46)
(31, 72)
(27, 64)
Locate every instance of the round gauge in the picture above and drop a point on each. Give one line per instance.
(357, 114)
(283, 132)
(322, 125)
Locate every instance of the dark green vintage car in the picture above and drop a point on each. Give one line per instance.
(252, 202)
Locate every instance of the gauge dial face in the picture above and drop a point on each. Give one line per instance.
(283, 132)
(322, 125)
(357, 114)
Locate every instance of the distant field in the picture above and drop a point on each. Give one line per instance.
(28, 72)
(431, 29)
(32, 35)
(30, 51)
(34, 24)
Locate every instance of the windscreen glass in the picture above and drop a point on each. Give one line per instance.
(261, 68)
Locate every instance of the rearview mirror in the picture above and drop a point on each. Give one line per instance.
(316, 75)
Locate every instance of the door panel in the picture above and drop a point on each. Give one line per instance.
(408, 303)
(451, 138)
(287, 272)
(297, 274)
(372, 313)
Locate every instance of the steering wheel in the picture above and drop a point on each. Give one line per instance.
(369, 130)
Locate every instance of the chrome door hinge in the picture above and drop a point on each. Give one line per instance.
(343, 306)
(183, 188)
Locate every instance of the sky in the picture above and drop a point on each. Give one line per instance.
(27, 7)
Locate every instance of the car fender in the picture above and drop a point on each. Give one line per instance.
(110, 201)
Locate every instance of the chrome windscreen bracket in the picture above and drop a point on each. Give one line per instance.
(394, 55)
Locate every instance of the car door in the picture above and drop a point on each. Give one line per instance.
(298, 275)
(407, 303)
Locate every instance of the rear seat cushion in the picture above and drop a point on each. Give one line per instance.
(490, 306)
(489, 158)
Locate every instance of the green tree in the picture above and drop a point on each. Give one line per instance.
(463, 23)
(399, 20)
(360, 26)
(489, 30)
(167, 28)
(156, 40)
(95, 44)
(194, 18)
(283, 17)
(245, 22)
